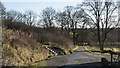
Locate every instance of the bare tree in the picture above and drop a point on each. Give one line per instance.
(47, 17)
(11, 15)
(61, 19)
(30, 17)
(75, 16)
(110, 21)
(101, 15)
(15, 16)
(70, 13)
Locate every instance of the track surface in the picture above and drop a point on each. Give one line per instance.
(78, 58)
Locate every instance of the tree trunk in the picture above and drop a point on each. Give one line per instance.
(62, 29)
(74, 37)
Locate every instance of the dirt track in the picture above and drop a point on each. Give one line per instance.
(79, 57)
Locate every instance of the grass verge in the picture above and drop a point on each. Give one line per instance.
(113, 49)
(95, 51)
(74, 49)
(40, 64)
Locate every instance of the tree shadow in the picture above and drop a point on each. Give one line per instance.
(91, 65)
(84, 65)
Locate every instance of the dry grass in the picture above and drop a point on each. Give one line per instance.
(20, 43)
(21, 49)
(98, 51)
(42, 35)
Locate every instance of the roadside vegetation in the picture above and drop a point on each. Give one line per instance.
(21, 45)
(95, 50)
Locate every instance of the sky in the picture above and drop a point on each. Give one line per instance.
(37, 5)
(41, 0)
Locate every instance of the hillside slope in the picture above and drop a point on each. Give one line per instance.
(23, 45)
(21, 49)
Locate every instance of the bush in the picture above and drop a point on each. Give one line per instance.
(41, 35)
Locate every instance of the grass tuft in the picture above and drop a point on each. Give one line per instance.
(74, 49)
